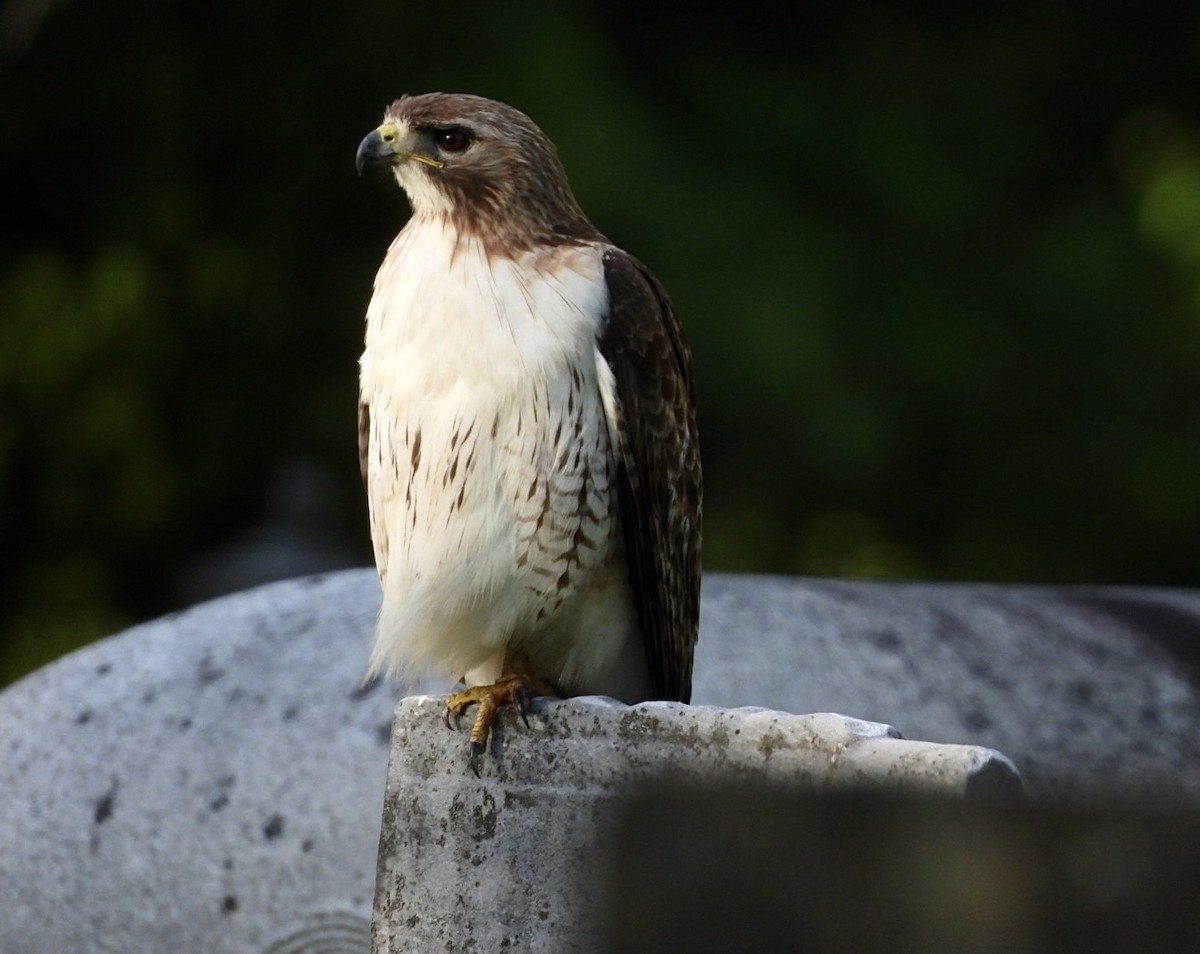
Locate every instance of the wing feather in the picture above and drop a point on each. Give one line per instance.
(364, 437)
(659, 466)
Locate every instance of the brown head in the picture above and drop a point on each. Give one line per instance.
(484, 165)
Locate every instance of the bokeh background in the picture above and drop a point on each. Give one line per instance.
(940, 271)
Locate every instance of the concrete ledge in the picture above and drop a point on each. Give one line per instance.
(508, 860)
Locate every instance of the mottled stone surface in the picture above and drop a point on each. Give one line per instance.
(211, 781)
(1089, 690)
(513, 859)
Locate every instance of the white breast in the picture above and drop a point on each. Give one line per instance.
(491, 471)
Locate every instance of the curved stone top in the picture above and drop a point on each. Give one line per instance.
(1089, 690)
(210, 781)
(596, 745)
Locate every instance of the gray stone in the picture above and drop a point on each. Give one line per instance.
(508, 860)
(1090, 690)
(211, 781)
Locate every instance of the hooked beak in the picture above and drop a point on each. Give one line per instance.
(385, 145)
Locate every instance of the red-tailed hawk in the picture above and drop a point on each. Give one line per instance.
(527, 429)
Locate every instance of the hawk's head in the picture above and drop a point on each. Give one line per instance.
(484, 165)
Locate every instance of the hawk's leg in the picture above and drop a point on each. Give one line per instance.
(516, 688)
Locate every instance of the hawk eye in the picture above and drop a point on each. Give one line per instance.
(454, 139)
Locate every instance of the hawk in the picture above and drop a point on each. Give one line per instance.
(527, 429)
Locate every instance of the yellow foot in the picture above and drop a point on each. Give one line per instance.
(513, 690)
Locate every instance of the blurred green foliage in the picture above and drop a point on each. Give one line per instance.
(941, 273)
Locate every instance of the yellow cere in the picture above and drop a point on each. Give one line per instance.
(390, 134)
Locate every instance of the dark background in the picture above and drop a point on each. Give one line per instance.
(940, 271)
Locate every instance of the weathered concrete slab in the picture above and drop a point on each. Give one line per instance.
(211, 781)
(510, 860)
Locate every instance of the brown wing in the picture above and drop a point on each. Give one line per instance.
(659, 467)
(364, 437)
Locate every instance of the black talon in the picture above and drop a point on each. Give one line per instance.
(476, 754)
(521, 704)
